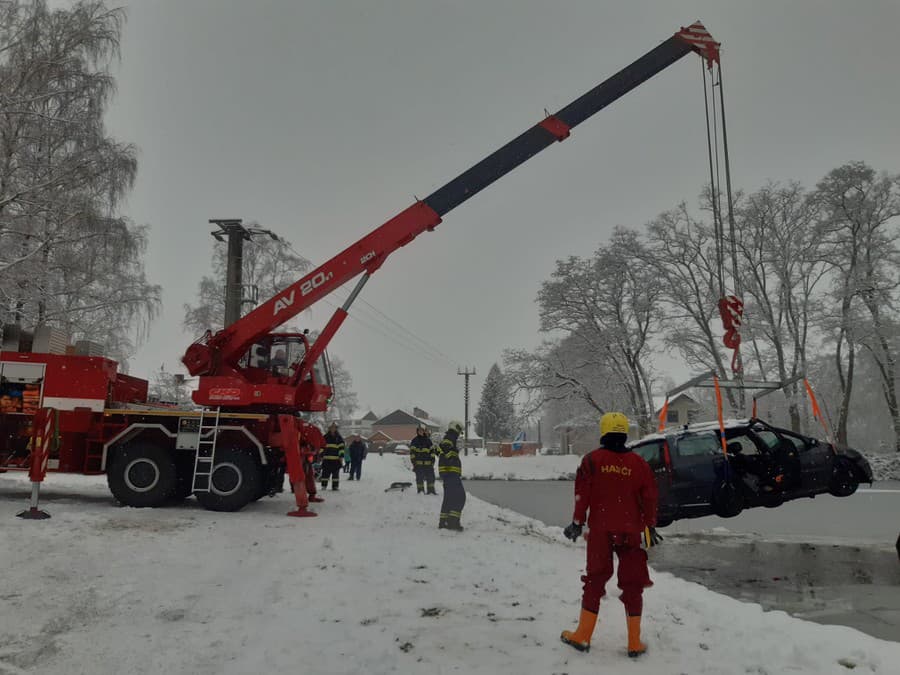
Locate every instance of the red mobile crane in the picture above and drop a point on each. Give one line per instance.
(253, 382)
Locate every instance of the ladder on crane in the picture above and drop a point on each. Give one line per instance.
(204, 460)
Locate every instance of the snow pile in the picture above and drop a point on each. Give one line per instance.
(885, 467)
(526, 467)
(371, 586)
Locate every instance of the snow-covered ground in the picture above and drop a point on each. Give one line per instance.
(563, 467)
(371, 586)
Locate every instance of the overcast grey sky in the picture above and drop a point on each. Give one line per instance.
(322, 119)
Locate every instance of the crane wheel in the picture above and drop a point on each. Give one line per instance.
(236, 479)
(141, 474)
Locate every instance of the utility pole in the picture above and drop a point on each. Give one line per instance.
(466, 373)
(233, 231)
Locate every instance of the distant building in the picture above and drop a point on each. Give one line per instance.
(401, 426)
(377, 440)
(510, 449)
(361, 426)
(682, 410)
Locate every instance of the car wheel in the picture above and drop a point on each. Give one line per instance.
(664, 522)
(141, 475)
(727, 499)
(235, 481)
(843, 481)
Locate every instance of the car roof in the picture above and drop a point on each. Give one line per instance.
(693, 428)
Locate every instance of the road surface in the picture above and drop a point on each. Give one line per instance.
(825, 559)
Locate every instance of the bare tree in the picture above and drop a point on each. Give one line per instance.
(860, 235)
(62, 177)
(269, 265)
(781, 265)
(168, 387)
(344, 400)
(608, 305)
(682, 252)
(558, 374)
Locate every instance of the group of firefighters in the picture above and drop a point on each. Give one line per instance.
(615, 510)
(422, 455)
(335, 455)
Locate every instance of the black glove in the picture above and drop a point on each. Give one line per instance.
(573, 530)
(652, 537)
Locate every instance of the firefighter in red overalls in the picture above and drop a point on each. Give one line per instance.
(616, 495)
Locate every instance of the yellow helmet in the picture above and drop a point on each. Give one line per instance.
(613, 423)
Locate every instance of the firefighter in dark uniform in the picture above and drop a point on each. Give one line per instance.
(450, 469)
(616, 492)
(421, 454)
(332, 457)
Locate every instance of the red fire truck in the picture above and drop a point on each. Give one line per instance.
(84, 416)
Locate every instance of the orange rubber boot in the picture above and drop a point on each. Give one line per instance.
(581, 637)
(635, 646)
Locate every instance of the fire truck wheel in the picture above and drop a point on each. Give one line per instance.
(235, 481)
(141, 475)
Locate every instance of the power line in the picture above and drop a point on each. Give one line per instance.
(382, 330)
(430, 351)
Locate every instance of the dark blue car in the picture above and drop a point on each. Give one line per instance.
(764, 466)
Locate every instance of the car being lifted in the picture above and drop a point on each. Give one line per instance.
(763, 465)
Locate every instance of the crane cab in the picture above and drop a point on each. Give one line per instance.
(265, 379)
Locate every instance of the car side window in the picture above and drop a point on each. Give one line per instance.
(745, 444)
(770, 438)
(698, 444)
(652, 453)
(799, 442)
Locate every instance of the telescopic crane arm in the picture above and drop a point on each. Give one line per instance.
(219, 353)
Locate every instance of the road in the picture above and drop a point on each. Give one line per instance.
(825, 559)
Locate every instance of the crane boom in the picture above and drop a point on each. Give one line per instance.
(217, 355)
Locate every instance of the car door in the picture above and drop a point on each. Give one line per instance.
(654, 454)
(815, 460)
(694, 459)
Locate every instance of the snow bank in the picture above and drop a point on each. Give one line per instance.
(371, 586)
(885, 467)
